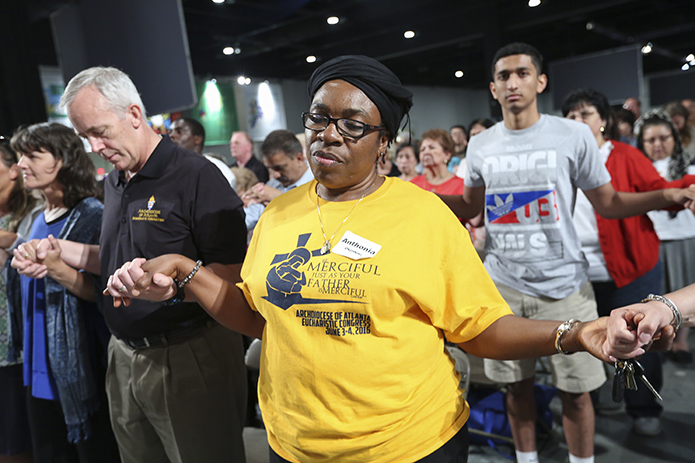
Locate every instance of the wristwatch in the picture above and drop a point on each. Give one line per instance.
(178, 297)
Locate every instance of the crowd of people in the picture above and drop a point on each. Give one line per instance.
(315, 247)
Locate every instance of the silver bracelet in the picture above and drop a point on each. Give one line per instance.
(564, 328)
(677, 316)
(190, 276)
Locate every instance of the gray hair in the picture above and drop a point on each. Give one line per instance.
(113, 83)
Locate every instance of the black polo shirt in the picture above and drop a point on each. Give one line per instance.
(257, 167)
(178, 203)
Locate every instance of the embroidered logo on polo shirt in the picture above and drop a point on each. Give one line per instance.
(149, 214)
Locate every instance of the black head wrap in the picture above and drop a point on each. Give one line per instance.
(374, 79)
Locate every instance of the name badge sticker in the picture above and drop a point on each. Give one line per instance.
(355, 247)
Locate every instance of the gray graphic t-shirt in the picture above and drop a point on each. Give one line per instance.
(531, 177)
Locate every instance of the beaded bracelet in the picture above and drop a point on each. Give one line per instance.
(190, 276)
(677, 316)
(564, 328)
(180, 293)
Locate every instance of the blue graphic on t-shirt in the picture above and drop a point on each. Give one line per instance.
(502, 207)
(286, 279)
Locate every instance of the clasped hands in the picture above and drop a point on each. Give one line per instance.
(684, 197)
(37, 258)
(260, 193)
(629, 331)
(151, 280)
(634, 329)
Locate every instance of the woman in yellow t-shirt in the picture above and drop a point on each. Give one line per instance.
(353, 281)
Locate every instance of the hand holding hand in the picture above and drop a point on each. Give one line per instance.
(48, 252)
(163, 269)
(26, 261)
(267, 194)
(684, 197)
(631, 330)
(122, 284)
(592, 336)
(249, 198)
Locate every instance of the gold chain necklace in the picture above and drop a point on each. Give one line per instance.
(326, 241)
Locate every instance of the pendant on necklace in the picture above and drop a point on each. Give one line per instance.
(325, 249)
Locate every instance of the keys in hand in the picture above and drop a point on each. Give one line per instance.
(639, 372)
(624, 378)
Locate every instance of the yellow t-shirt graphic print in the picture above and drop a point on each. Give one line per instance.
(286, 279)
(353, 366)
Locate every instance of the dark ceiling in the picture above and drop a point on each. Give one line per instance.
(275, 36)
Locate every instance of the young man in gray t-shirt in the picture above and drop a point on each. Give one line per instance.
(524, 172)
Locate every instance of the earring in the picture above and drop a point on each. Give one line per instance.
(602, 129)
(383, 155)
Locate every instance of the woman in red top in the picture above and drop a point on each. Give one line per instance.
(623, 254)
(436, 149)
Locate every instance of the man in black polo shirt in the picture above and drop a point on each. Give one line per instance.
(241, 147)
(176, 379)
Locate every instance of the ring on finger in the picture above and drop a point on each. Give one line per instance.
(123, 289)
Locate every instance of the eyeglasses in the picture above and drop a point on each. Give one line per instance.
(346, 127)
(663, 139)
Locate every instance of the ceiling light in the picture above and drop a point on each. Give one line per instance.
(332, 20)
(217, 1)
(458, 74)
(241, 80)
(685, 67)
(590, 26)
(408, 34)
(647, 48)
(228, 50)
(311, 59)
(237, 50)
(534, 3)
(690, 57)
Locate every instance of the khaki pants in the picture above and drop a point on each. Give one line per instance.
(181, 403)
(576, 373)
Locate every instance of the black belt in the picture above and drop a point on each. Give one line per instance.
(172, 337)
